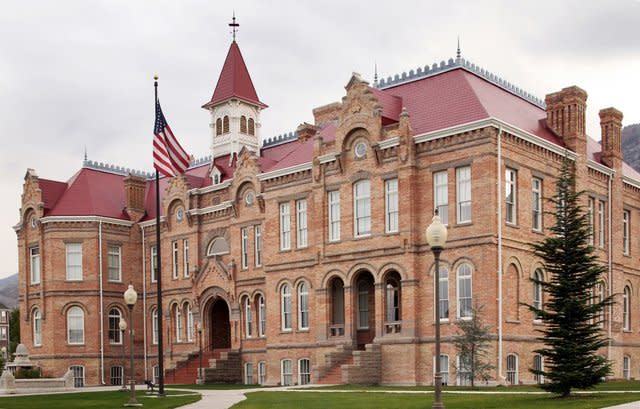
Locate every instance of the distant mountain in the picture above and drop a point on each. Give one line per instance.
(631, 145)
(9, 291)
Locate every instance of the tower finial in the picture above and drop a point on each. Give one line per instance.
(458, 53)
(375, 73)
(234, 26)
(85, 153)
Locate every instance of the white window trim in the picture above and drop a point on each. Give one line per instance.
(516, 371)
(356, 216)
(511, 180)
(361, 325)
(626, 367)
(179, 327)
(458, 309)
(283, 308)
(300, 311)
(244, 244)
(190, 324)
(257, 231)
(119, 266)
(119, 341)
(443, 369)
(185, 257)
(262, 372)
(540, 379)
(262, 319)
(601, 224)
(174, 259)
(626, 228)
(626, 308)
(334, 216)
(153, 264)
(35, 278)
(391, 191)
(441, 201)
(37, 332)
(300, 373)
(248, 318)
(248, 373)
(459, 192)
(591, 215)
(69, 328)
(443, 279)
(537, 217)
(302, 236)
(282, 373)
(154, 327)
(285, 226)
(69, 246)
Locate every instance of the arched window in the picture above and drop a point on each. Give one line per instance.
(218, 127)
(37, 328)
(537, 291)
(243, 124)
(303, 306)
(464, 291)
(75, 325)
(626, 367)
(538, 365)
(218, 246)
(304, 371)
(512, 369)
(363, 305)
(337, 308)
(248, 318)
(114, 326)
(601, 295)
(362, 208)
(190, 325)
(252, 127)
(392, 298)
(443, 289)
(225, 124)
(262, 317)
(154, 326)
(178, 315)
(285, 300)
(626, 309)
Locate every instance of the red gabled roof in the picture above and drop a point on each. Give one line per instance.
(51, 192)
(234, 80)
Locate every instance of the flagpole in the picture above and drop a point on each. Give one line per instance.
(159, 271)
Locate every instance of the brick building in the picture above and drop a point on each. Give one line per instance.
(304, 256)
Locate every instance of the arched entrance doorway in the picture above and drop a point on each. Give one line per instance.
(219, 325)
(365, 309)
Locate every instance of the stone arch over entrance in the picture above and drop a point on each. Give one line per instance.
(364, 307)
(216, 315)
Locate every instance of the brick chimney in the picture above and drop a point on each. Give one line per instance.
(611, 128)
(566, 117)
(134, 187)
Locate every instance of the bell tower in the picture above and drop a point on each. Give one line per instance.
(234, 107)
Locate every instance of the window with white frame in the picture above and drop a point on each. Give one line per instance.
(154, 326)
(536, 204)
(244, 244)
(37, 328)
(391, 205)
(443, 290)
(464, 291)
(362, 208)
(262, 373)
(156, 374)
(538, 366)
(301, 223)
(626, 367)
(34, 257)
(537, 292)
(463, 194)
(262, 317)
(190, 323)
(285, 300)
(363, 305)
(248, 373)
(257, 236)
(178, 315)
(512, 369)
(392, 300)
(185, 257)
(334, 215)
(74, 261)
(174, 259)
(601, 224)
(248, 318)
(78, 375)
(154, 264)
(286, 373)
(441, 195)
(601, 295)
(304, 371)
(115, 375)
(590, 215)
(626, 220)
(626, 308)
(510, 196)
(463, 371)
(114, 326)
(75, 325)
(114, 260)
(285, 226)
(303, 306)
(444, 368)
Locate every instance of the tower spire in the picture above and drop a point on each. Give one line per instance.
(458, 53)
(234, 26)
(375, 74)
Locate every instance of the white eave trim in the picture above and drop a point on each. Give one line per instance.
(329, 157)
(600, 168)
(210, 209)
(389, 143)
(152, 222)
(286, 171)
(76, 219)
(212, 188)
(633, 182)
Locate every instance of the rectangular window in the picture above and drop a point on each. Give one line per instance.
(590, 214)
(304, 372)
(443, 288)
(154, 264)
(538, 365)
(626, 367)
(248, 373)
(178, 325)
(244, 244)
(601, 224)
(190, 324)
(262, 373)
(626, 220)
(257, 236)
(334, 215)
(444, 369)
(536, 204)
(362, 208)
(441, 195)
(78, 376)
(262, 317)
(185, 255)
(510, 196)
(34, 255)
(74, 261)
(154, 327)
(3, 333)
(286, 371)
(391, 202)
(285, 226)
(115, 375)
(301, 222)
(463, 194)
(464, 371)
(114, 256)
(248, 318)
(174, 258)
(512, 369)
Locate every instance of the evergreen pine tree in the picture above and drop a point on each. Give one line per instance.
(571, 312)
(472, 344)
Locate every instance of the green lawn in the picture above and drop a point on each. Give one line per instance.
(381, 400)
(98, 400)
(214, 386)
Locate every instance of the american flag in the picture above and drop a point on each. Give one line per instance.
(169, 158)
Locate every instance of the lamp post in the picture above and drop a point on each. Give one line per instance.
(200, 377)
(123, 327)
(130, 298)
(436, 237)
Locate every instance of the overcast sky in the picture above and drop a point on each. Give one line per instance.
(79, 73)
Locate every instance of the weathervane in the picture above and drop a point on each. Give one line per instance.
(234, 26)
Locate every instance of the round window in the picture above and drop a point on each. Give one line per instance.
(248, 198)
(179, 214)
(360, 150)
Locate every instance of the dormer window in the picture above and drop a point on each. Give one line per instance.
(243, 124)
(225, 124)
(216, 176)
(252, 127)
(218, 127)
